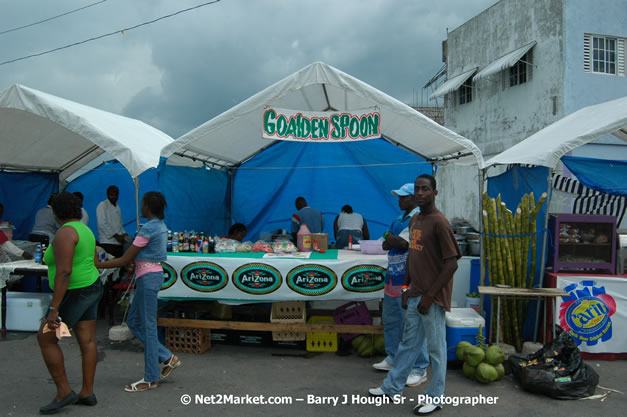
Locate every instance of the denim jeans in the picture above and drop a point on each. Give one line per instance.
(393, 317)
(142, 321)
(431, 326)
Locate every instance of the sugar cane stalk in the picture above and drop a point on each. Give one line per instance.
(499, 270)
(512, 231)
(508, 270)
(490, 261)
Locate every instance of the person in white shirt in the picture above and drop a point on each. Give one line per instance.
(111, 234)
(348, 223)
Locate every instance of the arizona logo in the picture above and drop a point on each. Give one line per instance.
(364, 278)
(204, 276)
(311, 279)
(257, 278)
(169, 276)
(586, 313)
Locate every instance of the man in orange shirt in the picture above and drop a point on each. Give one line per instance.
(431, 263)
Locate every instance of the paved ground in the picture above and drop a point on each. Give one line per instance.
(251, 371)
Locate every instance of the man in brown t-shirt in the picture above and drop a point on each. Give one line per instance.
(431, 263)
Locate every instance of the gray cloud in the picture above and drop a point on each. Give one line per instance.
(182, 71)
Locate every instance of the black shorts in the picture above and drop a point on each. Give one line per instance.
(81, 304)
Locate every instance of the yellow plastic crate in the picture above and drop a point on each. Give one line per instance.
(321, 341)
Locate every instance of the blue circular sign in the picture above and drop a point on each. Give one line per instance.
(257, 278)
(311, 279)
(204, 276)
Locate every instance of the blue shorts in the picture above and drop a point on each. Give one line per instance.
(81, 304)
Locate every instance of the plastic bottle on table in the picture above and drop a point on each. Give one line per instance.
(186, 243)
(303, 239)
(175, 242)
(38, 256)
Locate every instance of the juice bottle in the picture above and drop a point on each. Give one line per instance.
(303, 239)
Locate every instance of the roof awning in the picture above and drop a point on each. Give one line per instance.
(504, 62)
(453, 84)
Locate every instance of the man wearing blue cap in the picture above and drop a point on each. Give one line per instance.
(393, 316)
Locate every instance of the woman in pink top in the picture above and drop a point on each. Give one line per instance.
(148, 251)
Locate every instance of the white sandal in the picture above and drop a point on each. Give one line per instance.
(169, 366)
(134, 387)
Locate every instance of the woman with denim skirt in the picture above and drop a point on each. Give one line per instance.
(77, 288)
(148, 250)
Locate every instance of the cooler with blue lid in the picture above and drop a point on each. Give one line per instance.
(462, 324)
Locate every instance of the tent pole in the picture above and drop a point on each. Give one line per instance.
(136, 181)
(232, 175)
(546, 224)
(482, 254)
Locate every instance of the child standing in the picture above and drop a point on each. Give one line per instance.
(148, 250)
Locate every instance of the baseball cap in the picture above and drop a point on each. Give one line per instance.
(407, 189)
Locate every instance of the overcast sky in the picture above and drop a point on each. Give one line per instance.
(177, 73)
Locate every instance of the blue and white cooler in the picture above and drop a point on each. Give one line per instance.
(462, 324)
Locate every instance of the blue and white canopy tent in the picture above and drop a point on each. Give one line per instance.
(268, 174)
(534, 161)
(44, 134)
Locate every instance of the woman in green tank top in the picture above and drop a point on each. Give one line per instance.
(77, 292)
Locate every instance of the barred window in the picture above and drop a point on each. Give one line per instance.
(465, 92)
(520, 73)
(604, 54)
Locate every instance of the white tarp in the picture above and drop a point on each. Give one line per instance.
(507, 61)
(235, 136)
(42, 132)
(547, 146)
(453, 83)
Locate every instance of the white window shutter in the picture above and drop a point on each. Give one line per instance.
(587, 52)
(620, 57)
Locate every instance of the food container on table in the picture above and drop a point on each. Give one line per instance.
(461, 230)
(372, 247)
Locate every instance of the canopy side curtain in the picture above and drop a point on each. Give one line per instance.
(328, 176)
(196, 197)
(512, 185)
(22, 195)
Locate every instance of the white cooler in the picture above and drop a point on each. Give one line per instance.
(26, 309)
(462, 324)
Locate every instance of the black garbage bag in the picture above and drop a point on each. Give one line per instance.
(556, 370)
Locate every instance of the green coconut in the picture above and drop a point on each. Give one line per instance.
(357, 340)
(461, 348)
(366, 347)
(486, 373)
(469, 371)
(494, 355)
(473, 355)
(379, 344)
(500, 370)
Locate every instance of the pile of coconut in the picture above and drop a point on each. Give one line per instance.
(480, 363)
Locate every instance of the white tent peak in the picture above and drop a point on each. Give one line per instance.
(42, 132)
(234, 136)
(547, 146)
